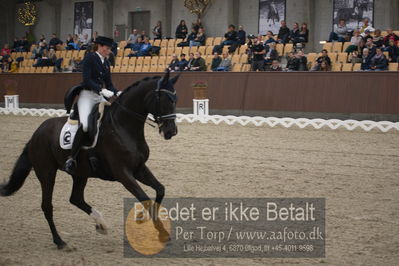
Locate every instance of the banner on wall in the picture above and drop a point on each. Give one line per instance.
(83, 21)
(271, 13)
(353, 11)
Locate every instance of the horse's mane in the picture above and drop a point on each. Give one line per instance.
(138, 83)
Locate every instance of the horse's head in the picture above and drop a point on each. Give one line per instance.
(163, 105)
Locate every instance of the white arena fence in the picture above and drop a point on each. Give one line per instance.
(333, 124)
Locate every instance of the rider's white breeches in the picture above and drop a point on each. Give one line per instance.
(87, 99)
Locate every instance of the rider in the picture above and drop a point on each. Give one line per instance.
(97, 87)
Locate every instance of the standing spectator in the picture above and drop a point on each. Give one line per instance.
(200, 38)
(132, 38)
(54, 41)
(215, 61)
(283, 33)
(390, 36)
(271, 54)
(303, 61)
(181, 30)
(275, 66)
(183, 62)
(258, 60)
(225, 64)
(242, 35)
(393, 51)
(174, 64)
(355, 40)
(157, 31)
(198, 63)
(6, 51)
(292, 62)
(366, 60)
(340, 32)
(269, 37)
(379, 62)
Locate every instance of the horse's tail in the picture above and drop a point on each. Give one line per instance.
(22, 168)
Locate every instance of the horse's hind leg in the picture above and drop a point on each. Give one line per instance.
(77, 199)
(47, 180)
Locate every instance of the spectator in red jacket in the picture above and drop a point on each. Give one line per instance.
(6, 50)
(391, 36)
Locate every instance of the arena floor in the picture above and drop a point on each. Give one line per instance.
(357, 173)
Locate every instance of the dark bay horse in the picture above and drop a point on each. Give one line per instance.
(121, 150)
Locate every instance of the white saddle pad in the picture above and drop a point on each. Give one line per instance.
(68, 133)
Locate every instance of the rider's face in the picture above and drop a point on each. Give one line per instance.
(104, 50)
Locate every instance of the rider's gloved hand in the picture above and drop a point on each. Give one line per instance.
(118, 93)
(106, 93)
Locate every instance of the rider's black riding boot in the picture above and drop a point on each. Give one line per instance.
(71, 164)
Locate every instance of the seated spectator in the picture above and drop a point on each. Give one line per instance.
(355, 40)
(283, 33)
(157, 31)
(183, 62)
(199, 39)
(303, 61)
(73, 44)
(366, 60)
(355, 57)
(190, 62)
(174, 64)
(6, 51)
(225, 64)
(392, 50)
(143, 35)
(132, 38)
(84, 42)
(42, 39)
(242, 35)
(144, 48)
(181, 30)
(258, 51)
(303, 34)
(215, 61)
(93, 39)
(369, 45)
(17, 45)
(12, 65)
(191, 37)
(292, 62)
(54, 41)
(378, 39)
(269, 37)
(379, 62)
(230, 38)
(294, 34)
(367, 35)
(340, 32)
(390, 36)
(366, 27)
(135, 48)
(271, 54)
(275, 66)
(323, 62)
(24, 47)
(198, 63)
(197, 25)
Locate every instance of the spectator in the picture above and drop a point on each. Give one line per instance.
(355, 57)
(271, 54)
(143, 35)
(294, 34)
(42, 38)
(393, 51)
(230, 38)
(183, 62)
(366, 60)
(6, 51)
(198, 63)
(157, 31)
(144, 48)
(174, 64)
(190, 62)
(340, 32)
(292, 62)
(270, 37)
(191, 37)
(367, 35)
(215, 61)
(12, 65)
(93, 39)
(304, 34)
(355, 40)
(132, 39)
(197, 25)
(323, 62)
(242, 35)
(18, 46)
(84, 43)
(225, 64)
(181, 30)
(258, 60)
(199, 39)
(378, 40)
(54, 41)
(283, 33)
(135, 48)
(369, 45)
(303, 61)
(379, 62)
(366, 26)
(24, 47)
(390, 36)
(275, 66)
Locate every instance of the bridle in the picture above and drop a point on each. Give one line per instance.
(158, 118)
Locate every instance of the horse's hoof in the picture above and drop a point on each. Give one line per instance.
(140, 218)
(164, 237)
(101, 229)
(61, 245)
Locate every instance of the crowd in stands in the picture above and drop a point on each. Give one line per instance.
(369, 48)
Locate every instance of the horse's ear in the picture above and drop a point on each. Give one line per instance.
(175, 79)
(165, 79)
